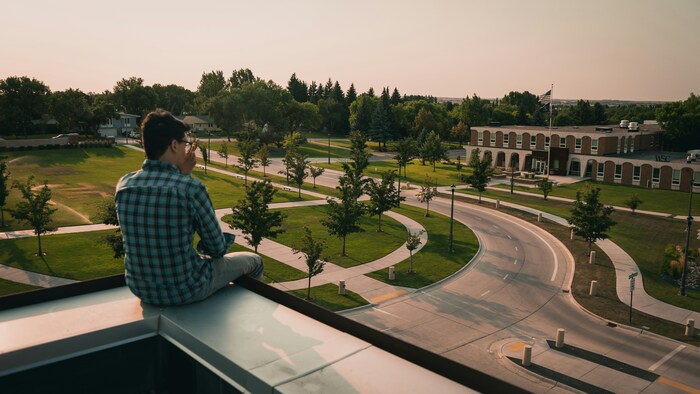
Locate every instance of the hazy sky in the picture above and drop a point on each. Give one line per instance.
(593, 49)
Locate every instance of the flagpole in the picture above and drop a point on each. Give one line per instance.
(549, 147)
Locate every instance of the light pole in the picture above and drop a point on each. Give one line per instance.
(329, 147)
(687, 241)
(512, 176)
(452, 213)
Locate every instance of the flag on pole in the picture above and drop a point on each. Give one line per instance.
(545, 98)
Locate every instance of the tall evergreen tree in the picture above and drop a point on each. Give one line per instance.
(379, 129)
(351, 95)
(313, 92)
(298, 89)
(370, 92)
(337, 93)
(395, 97)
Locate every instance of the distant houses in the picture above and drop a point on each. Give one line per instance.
(200, 123)
(123, 125)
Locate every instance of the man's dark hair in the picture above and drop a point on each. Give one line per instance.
(157, 131)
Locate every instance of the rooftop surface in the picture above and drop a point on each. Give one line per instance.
(615, 129)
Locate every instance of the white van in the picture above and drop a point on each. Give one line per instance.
(633, 126)
(624, 123)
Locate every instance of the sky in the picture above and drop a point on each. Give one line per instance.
(646, 50)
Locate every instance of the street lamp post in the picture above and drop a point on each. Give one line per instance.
(687, 241)
(452, 213)
(329, 147)
(512, 176)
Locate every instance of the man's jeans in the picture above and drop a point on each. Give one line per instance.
(229, 268)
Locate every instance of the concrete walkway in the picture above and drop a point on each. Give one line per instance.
(624, 266)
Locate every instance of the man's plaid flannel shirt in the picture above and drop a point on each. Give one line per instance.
(159, 211)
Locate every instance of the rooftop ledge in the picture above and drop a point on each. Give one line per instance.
(250, 341)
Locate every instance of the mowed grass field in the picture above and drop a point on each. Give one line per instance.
(81, 178)
(444, 174)
(309, 149)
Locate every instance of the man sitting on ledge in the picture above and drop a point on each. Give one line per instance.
(160, 208)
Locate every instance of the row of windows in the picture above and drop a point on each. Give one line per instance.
(655, 174)
(533, 141)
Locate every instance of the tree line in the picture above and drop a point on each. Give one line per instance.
(244, 101)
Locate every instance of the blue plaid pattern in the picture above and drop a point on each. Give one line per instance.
(159, 211)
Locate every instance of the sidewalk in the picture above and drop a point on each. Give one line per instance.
(624, 265)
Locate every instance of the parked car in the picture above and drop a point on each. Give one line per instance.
(633, 126)
(64, 135)
(624, 123)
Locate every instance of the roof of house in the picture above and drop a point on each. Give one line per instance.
(192, 119)
(602, 129)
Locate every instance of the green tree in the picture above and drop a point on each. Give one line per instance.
(316, 172)
(412, 242)
(22, 99)
(406, 150)
(432, 150)
(380, 128)
(71, 109)
(134, 97)
(359, 154)
(102, 108)
(546, 186)
(351, 95)
(361, 111)
(474, 111)
(205, 155)
(211, 83)
(240, 77)
(395, 97)
(344, 214)
(590, 219)
(246, 159)
(253, 216)
(481, 174)
(460, 133)
(383, 195)
(298, 165)
(174, 98)
(35, 208)
(298, 89)
(632, 203)
(264, 158)
(224, 151)
(426, 194)
(311, 249)
(107, 214)
(4, 188)
(681, 122)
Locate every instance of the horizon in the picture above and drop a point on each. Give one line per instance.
(627, 50)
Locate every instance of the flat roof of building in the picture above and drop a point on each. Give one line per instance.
(600, 129)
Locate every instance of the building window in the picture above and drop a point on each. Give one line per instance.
(546, 142)
(637, 173)
(578, 143)
(696, 178)
(127, 121)
(601, 170)
(533, 140)
(655, 175)
(506, 139)
(493, 139)
(480, 137)
(676, 177)
(575, 169)
(594, 145)
(618, 171)
(519, 140)
(562, 142)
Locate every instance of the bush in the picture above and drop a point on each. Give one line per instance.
(674, 258)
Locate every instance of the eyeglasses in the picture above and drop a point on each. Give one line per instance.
(187, 143)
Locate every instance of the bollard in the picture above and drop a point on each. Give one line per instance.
(594, 288)
(341, 287)
(690, 328)
(527, 355)
(539, 216)
(560, 338)
(392, 274)
(498, 203)
(572, 234)
(591, 259)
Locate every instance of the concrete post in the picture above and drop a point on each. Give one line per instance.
(527, 356)
(690, 328)
(560, 338)
(572, 234)
(392, 274)
(591, 259)
(594, 288)
(341, 287)
(498, 203)
(539, 216)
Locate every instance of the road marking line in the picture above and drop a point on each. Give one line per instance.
(387, 313)
(678, 385)
(504, 278)
(387, 296)
(486, 292)
(509, 237)
(516, 248)
(666, 357)
(430, 295)
(516, 261)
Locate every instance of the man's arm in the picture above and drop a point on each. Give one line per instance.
(213, 242)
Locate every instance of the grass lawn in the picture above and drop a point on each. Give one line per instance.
(643, 237)
(327, 297)
(360, 247)
(444, 175)
(605, 304)
(75, 256)
(668, 201)
(433, 262)
(309, 149)
(7, 287)
(275, 271)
